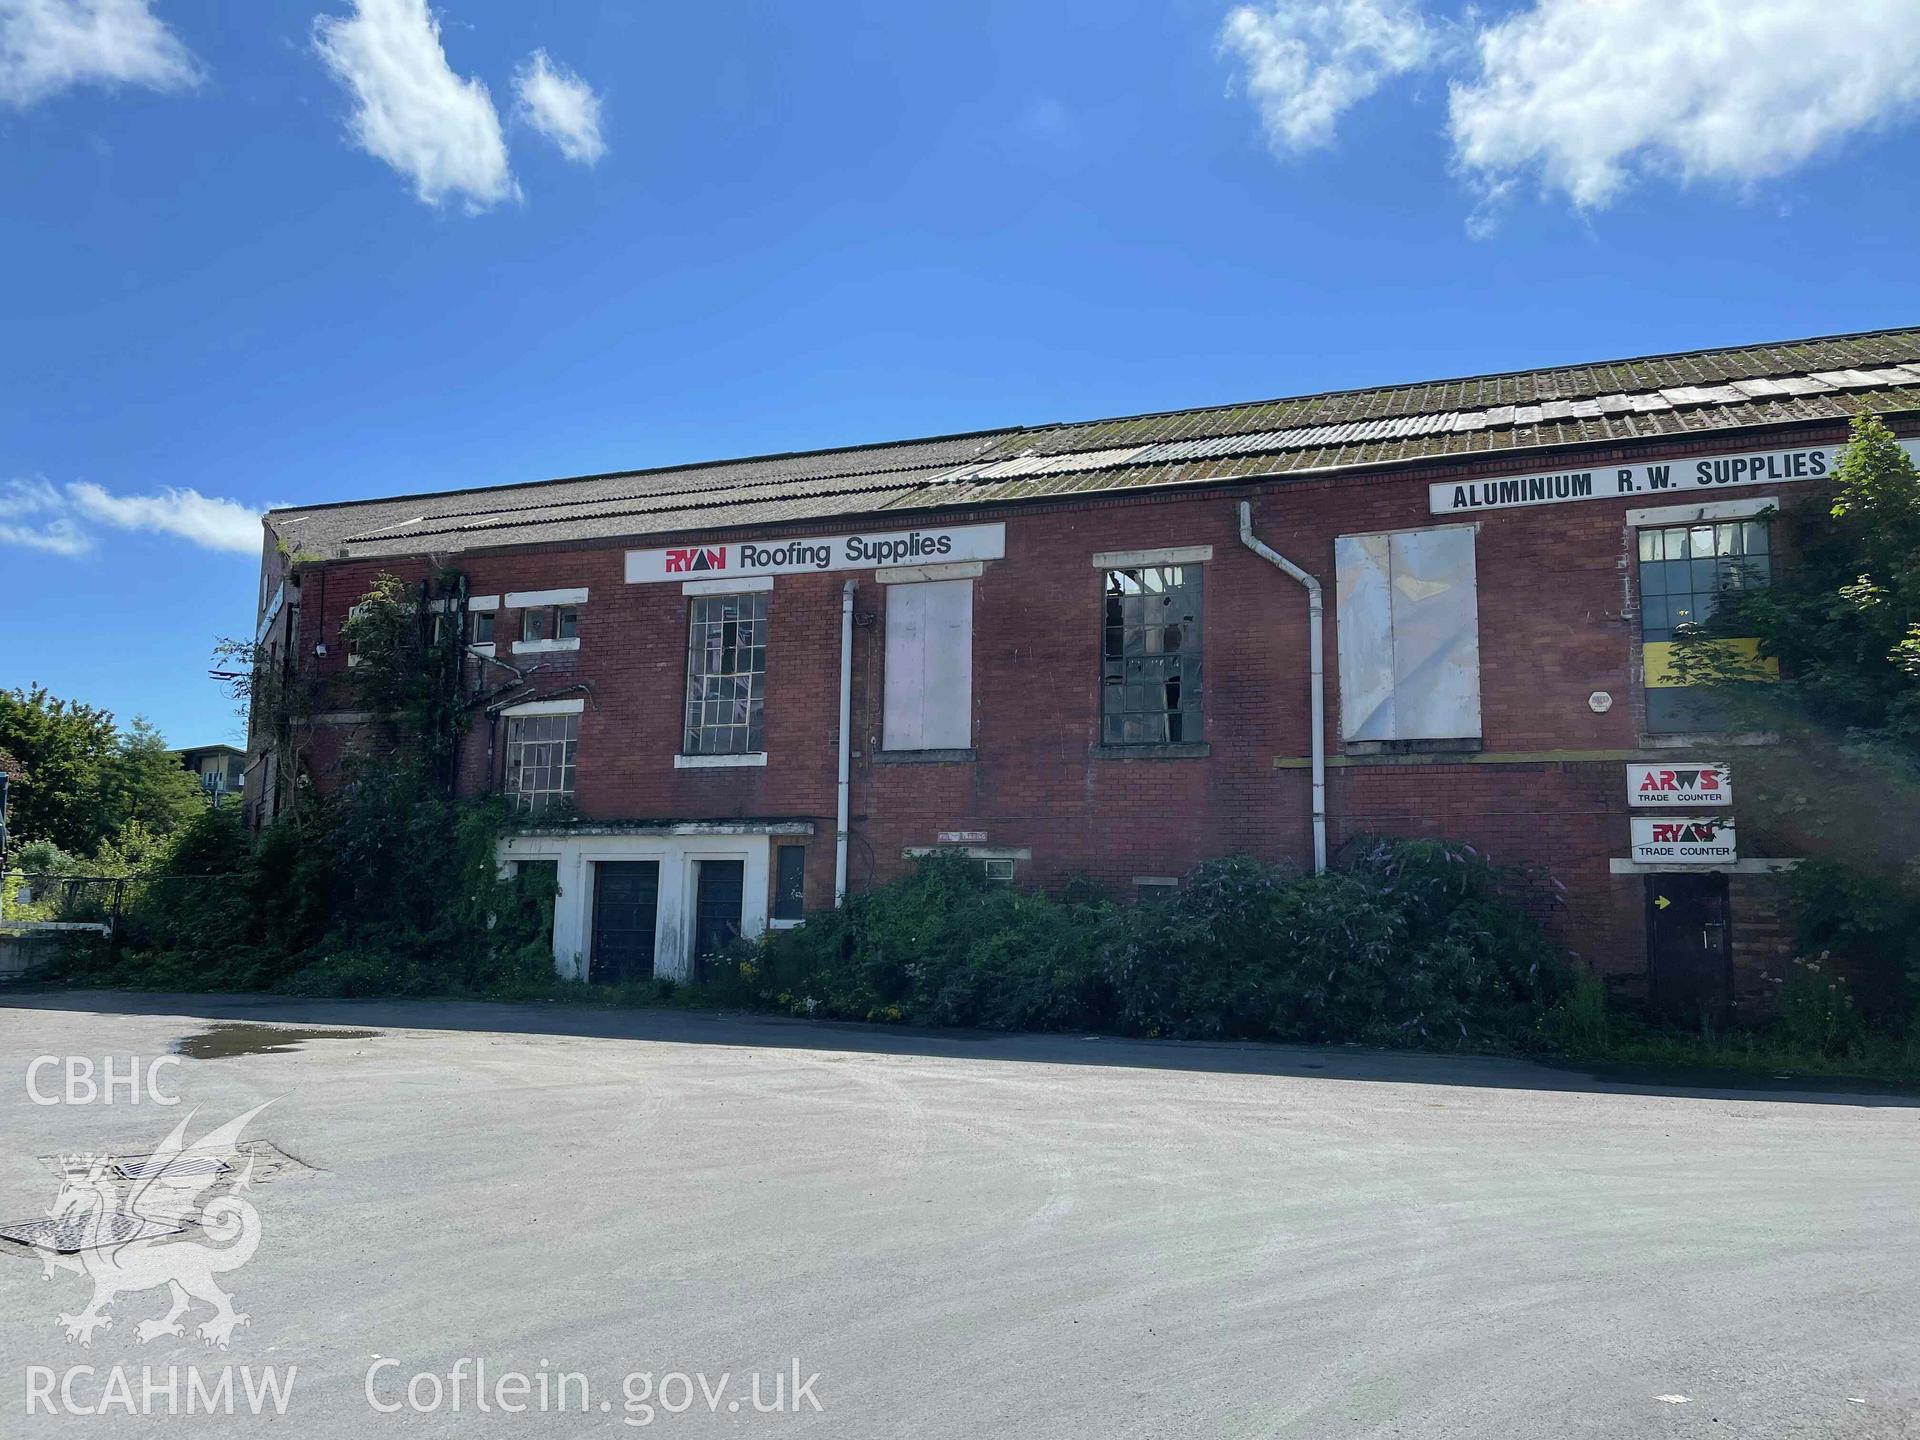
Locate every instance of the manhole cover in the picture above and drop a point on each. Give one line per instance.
(85, 1232)
(180, 1167)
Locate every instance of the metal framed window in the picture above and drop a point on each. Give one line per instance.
(548, 622)
(480, 622)
(540, 760)
(1685, 569)
(1150, 656)
(726, 674)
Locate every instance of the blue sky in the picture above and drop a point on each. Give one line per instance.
(259, 253)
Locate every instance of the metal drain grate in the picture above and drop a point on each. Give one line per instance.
(180, 1167)
(67, 1234)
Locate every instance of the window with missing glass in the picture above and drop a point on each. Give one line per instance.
(1685, 569)
(1150, 656)
(540, 756)
(726, 674)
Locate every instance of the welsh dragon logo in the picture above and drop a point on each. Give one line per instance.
(156, 1201)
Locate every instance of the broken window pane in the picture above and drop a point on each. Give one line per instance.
(726, 673)
(1150, 656)
(540, 760)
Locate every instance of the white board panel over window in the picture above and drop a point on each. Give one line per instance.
(929, 689)
(1409, 635)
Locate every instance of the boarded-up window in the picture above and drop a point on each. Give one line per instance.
(1409, 635)
(930, 666)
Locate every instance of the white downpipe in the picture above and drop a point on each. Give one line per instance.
(1316, 665)
(846, 744)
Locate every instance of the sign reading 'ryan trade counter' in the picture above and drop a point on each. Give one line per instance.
(868, 550)
(1673, 479)
(1683, 842)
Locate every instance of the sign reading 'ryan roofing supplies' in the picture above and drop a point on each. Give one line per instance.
(868, 550)
(1671, 479)
(1660, 841)
(1664, 785)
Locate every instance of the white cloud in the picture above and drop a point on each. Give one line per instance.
(412, 111)
(35, 514)
(47, 46)
(1592, 95)
(1306, 65)
(561, 106)
(47, 528)
(207, 522)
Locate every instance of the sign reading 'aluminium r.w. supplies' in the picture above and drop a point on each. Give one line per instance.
(1675, 479)
(868, 550)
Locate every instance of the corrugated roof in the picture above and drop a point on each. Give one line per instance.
(1648, 398)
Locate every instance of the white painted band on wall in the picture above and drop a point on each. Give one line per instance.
(1692, 514)
(483, 602)
(972, 852)
(542, 647)
(746, 585)
(1166, 555)
(523, 599)
(718, 762)
(919, 574)
(547, 707)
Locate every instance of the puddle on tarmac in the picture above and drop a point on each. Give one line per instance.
(220, 1042)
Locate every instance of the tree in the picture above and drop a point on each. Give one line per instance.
(1841, 782)
(64, 748)
(146, 785)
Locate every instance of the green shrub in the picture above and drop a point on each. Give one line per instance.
(1581, 1022)
(383, 889)
(1407, 943)
(1815, 1012)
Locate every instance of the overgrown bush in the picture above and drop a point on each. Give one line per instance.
(1405, 943)
(1815, 1010)
(385, 889)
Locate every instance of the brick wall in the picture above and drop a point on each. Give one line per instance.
(1556, 625)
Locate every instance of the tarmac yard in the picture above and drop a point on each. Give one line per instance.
(493, 1220)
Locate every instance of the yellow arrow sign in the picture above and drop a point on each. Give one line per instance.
(1660, 902)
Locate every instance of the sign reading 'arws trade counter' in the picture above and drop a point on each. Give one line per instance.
(868, 550)
(1664, 785)
(1668, 479)
(1683, 842)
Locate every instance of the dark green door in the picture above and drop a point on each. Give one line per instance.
(717, 906)
(626, 900)
(1689, 959)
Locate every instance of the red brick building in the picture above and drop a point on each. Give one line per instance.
(1088, 650)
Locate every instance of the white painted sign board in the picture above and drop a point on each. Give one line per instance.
(1658, 840)
(1669, 479)
(867, 550)
(1679, 785)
